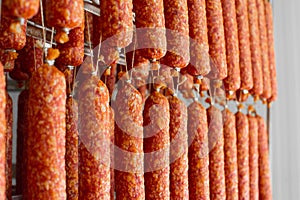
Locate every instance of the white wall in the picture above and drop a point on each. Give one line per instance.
(285, 131)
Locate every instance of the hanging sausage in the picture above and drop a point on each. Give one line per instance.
(2, 132)
(198, 152)
(46, 134)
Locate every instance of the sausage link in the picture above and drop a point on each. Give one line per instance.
(265, 190)
(9, 127)
(94, 158)
(198, 152)
(46, 135)
(2, 133)
(129, 137)
(199, 48)
(272, 64)
(72, 148)
(255, 48)
(216, 154)
(216, 39)
(244, 44)
(177, 25)
(179, 187)
(233, 80)
(12, 34)
(21, 9)
(8, 59)
(64, 14)
(230, 153)
(242, 130)
(22, 137)
(72, 52)
(112, 13)
(29, 59)
(112, 156)
(156, 121)
(267, 90)
(150, 24)
(253, 158)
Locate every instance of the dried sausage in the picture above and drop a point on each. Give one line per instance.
(179, 149)
(112, 13)
(265, 190)
(72, 52)
(253, 157)
(270, 34)
(72, 148)
(129, 137)
(150, 24)
(12, 34)
(242, 130)
(65, 14)
(216, 39)
(21, 9)
(233, 81)
(177, 25)
(9, 127)
(112, 157)
(8, 59)
(230, 153)
(198, 152)
(255, 48)
(267, 89)
(46, 134)
(2, 133)
(216, 154)
(199, 48)
(156, 138)
(94, 158)
(244, 44)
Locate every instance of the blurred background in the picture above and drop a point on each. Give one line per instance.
(285, 113)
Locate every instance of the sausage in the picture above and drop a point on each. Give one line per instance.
(179, 187)
(177, 25)
(156, 117)
(216, 39)
(265, 190)
(112, 13)
(22, 137)
(71, 148)
(94, 158)
(21, 9)
(244, 44)
(255, 49)
(242, 130)
(29, 59)
(64, 14)
(150, 24)
(272, 64)
(110, 78)
(129, 138)
(72, 52)
(112, 157)
(267, 90)
(253, 157)
(199, 48)
(9, 127)
(230, 153)
(216, 154)
(46, 134)
(2, 133)
(8, 59)
(233, 81)
(198, 169)
(12, 34)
